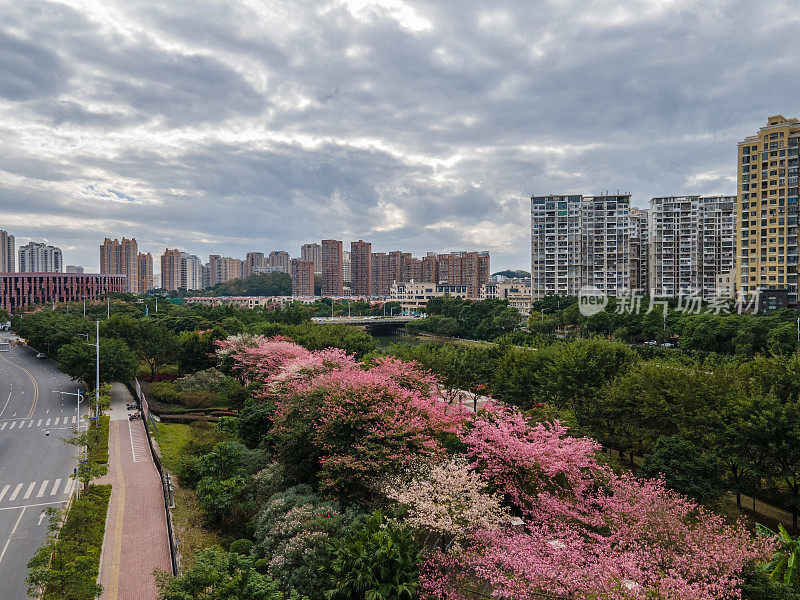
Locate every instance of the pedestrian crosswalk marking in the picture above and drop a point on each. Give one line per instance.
(15, 492)
(29, 490)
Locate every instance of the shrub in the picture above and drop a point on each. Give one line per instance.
(197, 399)
(163, 392)
(241, 546)
(292, 533)
(379, 560)
(66, 566)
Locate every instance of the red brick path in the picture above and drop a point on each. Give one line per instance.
(136, 530)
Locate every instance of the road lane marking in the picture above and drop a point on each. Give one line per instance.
(15, 492)
(7, 401)
(3, 492)
(56, 483)
(42, 489)
(13, 531)
(29, 490)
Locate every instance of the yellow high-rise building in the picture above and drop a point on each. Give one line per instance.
(766, 211)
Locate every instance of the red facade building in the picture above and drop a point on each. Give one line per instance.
(18, 290)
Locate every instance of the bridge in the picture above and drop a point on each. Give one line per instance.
(372, 324)
(397, 320)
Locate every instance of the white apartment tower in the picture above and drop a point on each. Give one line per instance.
(580, 241)
(692, 243)
(35, 257)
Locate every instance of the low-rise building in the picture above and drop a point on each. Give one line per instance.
(18, 290)
(516, 291)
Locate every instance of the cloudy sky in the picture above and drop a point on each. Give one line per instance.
(224, 127)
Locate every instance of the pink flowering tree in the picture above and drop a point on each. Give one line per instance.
(585, 532)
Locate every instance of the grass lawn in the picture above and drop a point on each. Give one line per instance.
(187, 518)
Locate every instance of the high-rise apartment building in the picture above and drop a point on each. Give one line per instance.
(144, 267)
(639, 239)
(253, 262)
(302, 272)
(412, 269)
(171, 269)
(346, 273)
(766, 209)
(7, 253)
(223, 268)
(464, 268)
(36, 257)
(430, 268)
(361, 268)
(556, 256)
(279, 259)
(580, 241)
(381, 283)
(605, 237)
(181, 270)
(691, 239)
(119, 257)
(312, 253)
(332, 268)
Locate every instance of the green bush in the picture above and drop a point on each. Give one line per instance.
(379, 560)
(97, 441)
(66, 566)
(241, 546)
(197, 399)
(163, 392)
(217, 574)
(188, 470)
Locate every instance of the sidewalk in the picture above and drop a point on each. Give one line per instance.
(135, 542)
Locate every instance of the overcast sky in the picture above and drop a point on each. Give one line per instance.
(235, 126)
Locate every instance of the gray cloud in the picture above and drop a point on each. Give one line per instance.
(225, 127)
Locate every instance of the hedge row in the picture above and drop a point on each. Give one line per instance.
(67, 565)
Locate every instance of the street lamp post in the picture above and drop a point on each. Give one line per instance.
(82, 449)
(96, 366)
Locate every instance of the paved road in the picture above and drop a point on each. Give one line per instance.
(34, 467)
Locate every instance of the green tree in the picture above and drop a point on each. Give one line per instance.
(684, 469)
(117, 361)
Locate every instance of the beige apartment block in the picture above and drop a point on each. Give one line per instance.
(766, 208)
